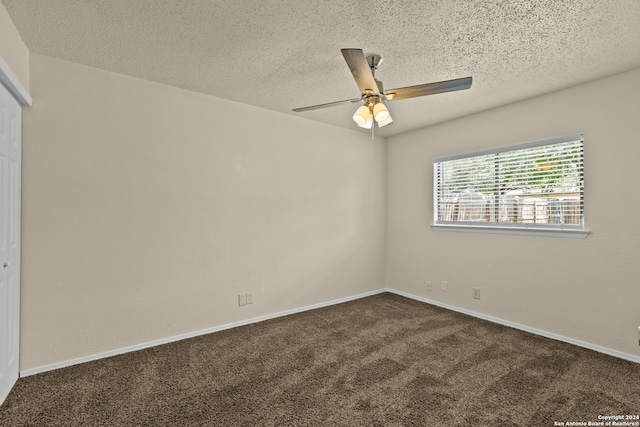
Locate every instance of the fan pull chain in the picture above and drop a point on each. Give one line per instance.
(373, 122)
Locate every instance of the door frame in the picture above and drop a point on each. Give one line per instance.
(11, 82)
(21, 95)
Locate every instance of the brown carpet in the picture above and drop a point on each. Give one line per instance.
(379, 361)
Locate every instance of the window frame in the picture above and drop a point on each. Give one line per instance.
(534, 229)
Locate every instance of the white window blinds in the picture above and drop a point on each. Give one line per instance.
(538, 185)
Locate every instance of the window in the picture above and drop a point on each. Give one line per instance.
(533, 188)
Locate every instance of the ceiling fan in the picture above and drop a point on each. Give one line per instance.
(374, 96)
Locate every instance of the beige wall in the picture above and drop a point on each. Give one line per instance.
(147, 209)
(12, 49)
(587, 289)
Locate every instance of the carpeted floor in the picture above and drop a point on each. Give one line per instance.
(379, 361)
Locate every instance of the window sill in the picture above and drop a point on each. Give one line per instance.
(522, 231)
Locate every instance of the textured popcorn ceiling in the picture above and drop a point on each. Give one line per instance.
(280, 55)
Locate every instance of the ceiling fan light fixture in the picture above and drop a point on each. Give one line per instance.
(368, 123)
(362, 115)
(387, 121)
(380, 112)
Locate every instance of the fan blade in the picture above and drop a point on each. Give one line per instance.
(428, 89)
(360, 69)
(328, 104)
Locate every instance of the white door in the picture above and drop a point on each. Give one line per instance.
(10, 153)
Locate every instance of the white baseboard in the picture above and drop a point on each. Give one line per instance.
(535, 331)
(97, 356)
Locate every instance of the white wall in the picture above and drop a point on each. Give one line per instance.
(587, 289)
(147, 209)
(13, 51)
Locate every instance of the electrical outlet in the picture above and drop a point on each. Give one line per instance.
(249, 298)
(475, 293)
(429, 288)
(242, 299)
(444, 286)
